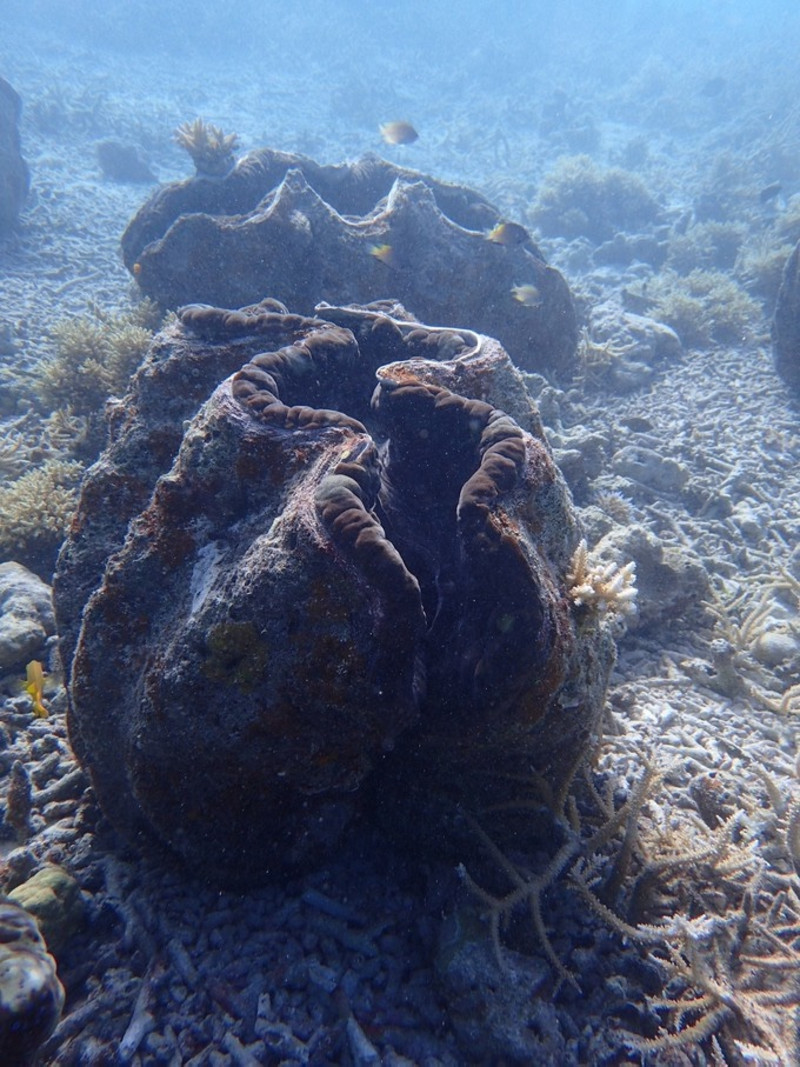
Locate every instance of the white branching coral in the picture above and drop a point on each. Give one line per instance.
(604, 587)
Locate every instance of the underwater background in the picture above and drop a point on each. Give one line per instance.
(633, 899)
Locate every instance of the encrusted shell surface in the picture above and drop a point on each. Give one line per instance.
(329, 582)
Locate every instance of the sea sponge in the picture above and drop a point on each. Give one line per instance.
(580, 199)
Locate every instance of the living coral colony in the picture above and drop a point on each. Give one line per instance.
(342, 555)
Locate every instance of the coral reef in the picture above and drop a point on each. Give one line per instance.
(705, 246)
(302, 592)
(602, 587)
(283, 226)
(755, 653)
(717, 924)
(579, 199)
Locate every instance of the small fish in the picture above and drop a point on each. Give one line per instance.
(398, 132)
(528, 295)
(35, 688)
(508, 234)
(384, 253)
(770, 192)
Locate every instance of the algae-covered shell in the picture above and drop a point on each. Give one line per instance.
(319, 590)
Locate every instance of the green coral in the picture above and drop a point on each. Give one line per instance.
(236, 655)
(580, 199)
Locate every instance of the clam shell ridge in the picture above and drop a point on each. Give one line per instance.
(329, 581)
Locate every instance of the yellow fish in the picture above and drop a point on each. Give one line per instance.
(528, 295)
(385, 253)
(508, 234)
(35, 688)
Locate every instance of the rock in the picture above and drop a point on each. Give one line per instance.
(286, 592)
(17, 813)
(283, 226)
(581, 455)
(53, 897)
(123, 162)
(31, 996)
(775, 647)
(625, 347)
(625, 248)
(647, 467)
(14, 177)
(786, 323)
(26, 616)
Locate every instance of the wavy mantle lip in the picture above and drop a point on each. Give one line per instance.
(351, 568)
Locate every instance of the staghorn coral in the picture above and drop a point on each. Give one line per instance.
(722, 923)
(602, 587)
(687, 886)
(211, 149)
(742, 627)
(578, 841)
(598, 361)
